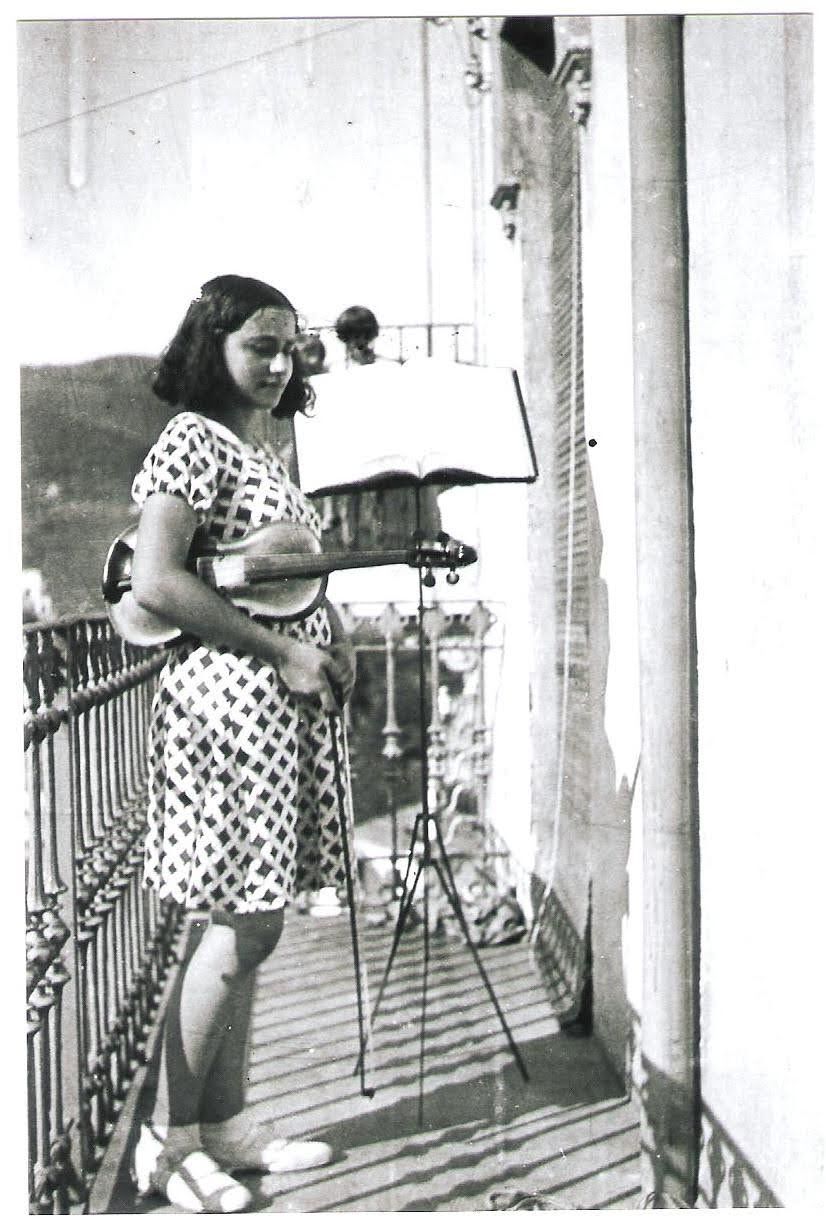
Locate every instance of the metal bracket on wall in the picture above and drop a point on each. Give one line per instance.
(505, 200)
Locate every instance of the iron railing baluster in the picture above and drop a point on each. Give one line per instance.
(434, 627)
(391, 749)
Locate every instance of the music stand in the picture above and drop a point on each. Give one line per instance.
(427, 853)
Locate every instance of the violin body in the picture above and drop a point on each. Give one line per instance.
(278, 570)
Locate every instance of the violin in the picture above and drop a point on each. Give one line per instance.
(279, 570)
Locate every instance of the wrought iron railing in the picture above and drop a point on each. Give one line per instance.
(398, 342)
(98, 945)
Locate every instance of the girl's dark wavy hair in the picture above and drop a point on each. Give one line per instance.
(192, 372)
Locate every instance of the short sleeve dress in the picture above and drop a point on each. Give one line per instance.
(245, 779)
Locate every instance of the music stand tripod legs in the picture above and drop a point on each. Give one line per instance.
(426, 829)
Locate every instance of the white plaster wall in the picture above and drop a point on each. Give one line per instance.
(609, 420)
(758, 457)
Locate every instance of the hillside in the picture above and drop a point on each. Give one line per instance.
(84, 431)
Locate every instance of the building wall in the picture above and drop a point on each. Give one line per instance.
(581, 859)
(538, 148)
(756, 492)
(756, 441)
(526, 151)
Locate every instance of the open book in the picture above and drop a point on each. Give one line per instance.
(425, 421)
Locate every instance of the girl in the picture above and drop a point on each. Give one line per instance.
(243, 800)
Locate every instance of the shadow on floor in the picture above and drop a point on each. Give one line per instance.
(451, 1120)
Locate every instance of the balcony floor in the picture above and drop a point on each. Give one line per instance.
(568, 1132)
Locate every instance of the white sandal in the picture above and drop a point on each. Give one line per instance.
(192, 1182)
(253, 1148)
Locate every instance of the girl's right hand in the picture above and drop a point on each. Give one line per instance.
(303, 668)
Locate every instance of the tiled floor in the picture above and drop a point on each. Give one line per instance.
(478, 1127)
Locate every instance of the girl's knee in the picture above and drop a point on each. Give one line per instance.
(256, 935)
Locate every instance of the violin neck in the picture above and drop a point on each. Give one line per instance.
(236, 571)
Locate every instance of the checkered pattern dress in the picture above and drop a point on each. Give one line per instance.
(243, 800)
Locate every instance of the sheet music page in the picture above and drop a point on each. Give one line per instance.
(417, 419)
(476, 424)
(358, 430)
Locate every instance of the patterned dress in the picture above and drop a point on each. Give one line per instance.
(243, 791)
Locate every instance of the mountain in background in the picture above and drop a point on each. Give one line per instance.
(85, 430)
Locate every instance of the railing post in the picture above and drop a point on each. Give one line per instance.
(480, 623)
(434, 625)
(391, 625)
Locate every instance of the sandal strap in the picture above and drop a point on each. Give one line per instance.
(195, 1182)
(202, 1176)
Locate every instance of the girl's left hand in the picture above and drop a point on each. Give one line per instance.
(343, 670)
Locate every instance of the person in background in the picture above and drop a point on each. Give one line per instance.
(244, 742)
(311, 352)
(357, 328)
(37, 604)
(374, 519)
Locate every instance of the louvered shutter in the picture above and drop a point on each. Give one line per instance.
(563, 918)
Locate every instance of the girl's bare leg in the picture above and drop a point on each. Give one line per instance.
(203, 1064)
